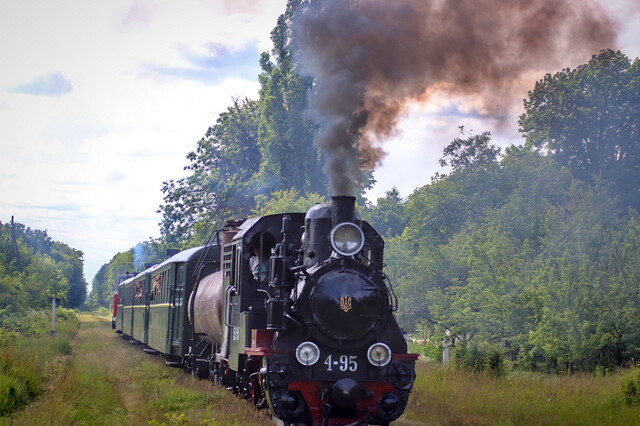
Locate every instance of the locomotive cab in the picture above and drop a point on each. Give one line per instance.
(246, 289)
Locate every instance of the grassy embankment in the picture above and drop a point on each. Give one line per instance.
(106, 381)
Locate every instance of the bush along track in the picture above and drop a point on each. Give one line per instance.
(29, 358)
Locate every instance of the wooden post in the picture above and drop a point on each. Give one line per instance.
(54, 301)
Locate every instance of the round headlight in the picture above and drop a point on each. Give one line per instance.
(379, 354)
(307, 353)
(347, 239)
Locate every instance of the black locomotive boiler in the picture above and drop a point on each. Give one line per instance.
(295, 314)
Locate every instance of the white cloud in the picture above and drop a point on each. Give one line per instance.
(88, 166)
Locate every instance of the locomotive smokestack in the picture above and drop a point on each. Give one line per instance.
(343, 209)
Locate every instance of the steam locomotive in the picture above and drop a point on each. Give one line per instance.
(291, 311)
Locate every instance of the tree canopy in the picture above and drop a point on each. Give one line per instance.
(33, 268)
(587, 118)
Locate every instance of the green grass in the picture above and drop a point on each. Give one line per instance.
(443, 396)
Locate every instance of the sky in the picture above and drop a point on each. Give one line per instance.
(100, 102)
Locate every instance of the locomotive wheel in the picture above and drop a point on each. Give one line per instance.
(239, 389)
(255, 393)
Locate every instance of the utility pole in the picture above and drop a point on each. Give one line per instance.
(15, 243)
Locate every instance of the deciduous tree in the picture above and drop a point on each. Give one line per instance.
(588, 118)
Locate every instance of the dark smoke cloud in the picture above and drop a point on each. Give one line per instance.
(371, 58)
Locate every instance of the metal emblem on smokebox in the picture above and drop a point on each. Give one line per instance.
(345, 303)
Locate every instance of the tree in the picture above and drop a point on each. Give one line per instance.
(286, 201)
(476, 186)
(11, 290)
(222, 181)
(71, 265)
(290, 160)
(434, 215)
(474, 151)
(589, 120)
(387, 215)
(537, 183)
(588, 281)
(99, 288)
(254, 149)
(549, 273)
(406, 272)
(43, 279)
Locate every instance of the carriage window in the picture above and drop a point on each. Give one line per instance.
(168, 285)
(182, 277)
(138, 288)
(157, 286)
(182, 274)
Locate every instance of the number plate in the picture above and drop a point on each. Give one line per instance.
(334, 366)
(342, 363)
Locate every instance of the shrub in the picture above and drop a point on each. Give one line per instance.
(66, 314)
(9, 394)
(631, 388)
(21, 366)
(28, 323)
(7, 337)
(428, 349)
(480, 358)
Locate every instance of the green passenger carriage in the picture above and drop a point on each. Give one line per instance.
(153, 308)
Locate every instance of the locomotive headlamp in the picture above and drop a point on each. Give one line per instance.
(347, 238)
(379, 354)
(307, 353)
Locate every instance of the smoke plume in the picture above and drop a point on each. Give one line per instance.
(371, 58)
